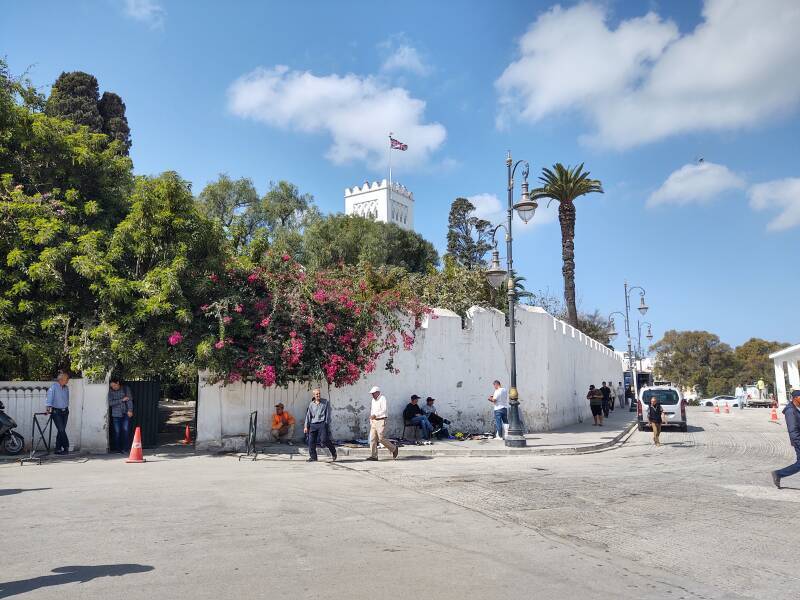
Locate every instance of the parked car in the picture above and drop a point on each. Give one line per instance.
(671, 401)
(721, 401)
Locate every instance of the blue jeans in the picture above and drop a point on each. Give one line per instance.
(791, 469)
(500, 417)
(424, 424)
(122, 428)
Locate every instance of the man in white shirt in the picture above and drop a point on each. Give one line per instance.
(377, 420)
(500, 401)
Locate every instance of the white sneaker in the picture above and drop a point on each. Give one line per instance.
(497, 437)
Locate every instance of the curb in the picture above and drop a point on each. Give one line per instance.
(441, 452)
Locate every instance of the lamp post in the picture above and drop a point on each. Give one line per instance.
(496, 275)
(612, 333)
(648, 335)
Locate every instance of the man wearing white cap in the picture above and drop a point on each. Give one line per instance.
(377, 420)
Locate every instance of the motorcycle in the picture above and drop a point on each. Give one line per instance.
(10, 440)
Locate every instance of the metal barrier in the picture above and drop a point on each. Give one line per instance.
(47, 442)
(250, 440)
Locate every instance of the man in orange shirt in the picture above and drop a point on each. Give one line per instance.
(282, 425)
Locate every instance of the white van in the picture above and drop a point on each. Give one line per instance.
(671, 401)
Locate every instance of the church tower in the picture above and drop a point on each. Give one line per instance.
(389, 203)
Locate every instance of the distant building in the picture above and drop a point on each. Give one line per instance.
(376, 199)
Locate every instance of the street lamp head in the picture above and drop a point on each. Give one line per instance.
(612, 331)
(495, 274)
(526, 207)
(643, 305)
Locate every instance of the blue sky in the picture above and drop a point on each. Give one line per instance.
(638, 91)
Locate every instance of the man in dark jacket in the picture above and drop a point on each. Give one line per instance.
(792, 415)
(413, 415)
(317, 426)
(606, 391)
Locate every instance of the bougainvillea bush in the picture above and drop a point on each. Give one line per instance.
(276, 323)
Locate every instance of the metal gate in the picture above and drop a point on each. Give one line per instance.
(145, 410)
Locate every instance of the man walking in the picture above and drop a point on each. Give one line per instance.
(620, 395)
(595, 399)
(606, 394)
(317, 426)
(58, 407)
(377, 424)
(500, 401)
(612, 395)
(791, 414)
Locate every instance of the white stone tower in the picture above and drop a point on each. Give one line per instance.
(390, 205)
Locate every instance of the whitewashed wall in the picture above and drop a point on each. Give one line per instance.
(555, 365)
(87, 427)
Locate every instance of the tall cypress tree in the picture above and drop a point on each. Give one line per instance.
(75, 96)
(468, 237)
(115, 123)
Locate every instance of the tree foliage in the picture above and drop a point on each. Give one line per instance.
(468, 237)
(565, 185)
(353, 240)
(75, 96)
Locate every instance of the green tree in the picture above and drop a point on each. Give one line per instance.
(115, 123)
(63, 190)
(149, 283)
(565, 185)
(455, 287)
(75, 97)
(468, 237)
(236, 206)
(696, 358)
(753, 360)
(352, 239)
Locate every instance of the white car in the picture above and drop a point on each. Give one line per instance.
(720, 401)
(671, 401)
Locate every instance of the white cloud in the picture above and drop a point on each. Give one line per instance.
(643, 80)
(357, 112)
(696, 184)
(149, 12)
(406, 58)
(781, 194)
(490, 208)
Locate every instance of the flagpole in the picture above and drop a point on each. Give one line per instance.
(390, 160)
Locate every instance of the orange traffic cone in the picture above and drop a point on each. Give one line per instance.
(716, 409)
(187, 436)
(774, 416)
(136, 448)
(727, 409)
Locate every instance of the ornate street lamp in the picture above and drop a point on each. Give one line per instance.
(643, 308)
(496, 275)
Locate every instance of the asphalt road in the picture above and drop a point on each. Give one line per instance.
(696, 518)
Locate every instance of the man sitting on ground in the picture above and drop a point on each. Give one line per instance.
(282, 425)
(438, 422)
(413, 415)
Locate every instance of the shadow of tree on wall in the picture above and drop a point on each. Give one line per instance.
(70, 574)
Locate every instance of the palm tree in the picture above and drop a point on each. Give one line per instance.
(564, 185)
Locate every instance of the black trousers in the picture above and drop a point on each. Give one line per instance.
(60, 417)
(318, 432)
(436, 420)
(605, 408)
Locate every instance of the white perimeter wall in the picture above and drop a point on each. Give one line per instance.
(555, 365)
(87, 427)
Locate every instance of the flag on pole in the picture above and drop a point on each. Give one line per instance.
(397, 145)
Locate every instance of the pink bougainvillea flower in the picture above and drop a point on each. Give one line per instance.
(204, 307)
(226, 320)
(176, 338)
(286, 258)
(330, 328)
(266, 375)
(220, 345)
(252, 278)
(214, 277)
(309, 320)
(238, 308)
(264, 322)
(319, 296)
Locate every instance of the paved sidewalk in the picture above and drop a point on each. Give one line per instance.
(573, 439)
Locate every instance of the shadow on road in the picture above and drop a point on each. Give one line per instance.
(12, 491)
(70, 574)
